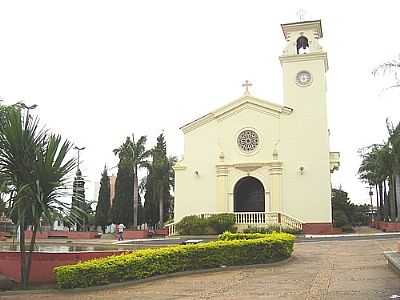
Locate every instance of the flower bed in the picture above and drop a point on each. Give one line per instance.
(228, 236)
(43, 263)
(149, 262)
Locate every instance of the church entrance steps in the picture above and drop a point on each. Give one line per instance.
(256, 219)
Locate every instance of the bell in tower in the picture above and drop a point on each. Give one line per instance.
(302, 45)
(302, 37)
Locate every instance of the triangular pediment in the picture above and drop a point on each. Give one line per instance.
(244, 102)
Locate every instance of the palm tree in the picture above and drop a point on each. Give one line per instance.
(385, 171)
(34, 164)
(377, 169)
(163, 181)
(368, 171)
(394, 141)
(391, 67)
(135, 156)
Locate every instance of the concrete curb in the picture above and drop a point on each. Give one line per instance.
(146, 280)
(310, 236)
(393, 258)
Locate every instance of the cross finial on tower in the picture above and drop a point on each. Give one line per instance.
(246, 85)
(301, 14)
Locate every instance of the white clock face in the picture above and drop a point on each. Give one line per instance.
(303, 78)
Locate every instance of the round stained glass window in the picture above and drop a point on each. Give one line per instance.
(248, 140)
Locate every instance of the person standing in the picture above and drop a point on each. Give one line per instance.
(121, 228)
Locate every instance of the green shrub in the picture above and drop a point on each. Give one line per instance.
(222, 222)
(347, 228)
(270, 229)
(191, 225)
(195, 225)
(149, 262)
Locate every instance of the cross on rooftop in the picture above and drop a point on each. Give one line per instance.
(246, 85)
(301, 14)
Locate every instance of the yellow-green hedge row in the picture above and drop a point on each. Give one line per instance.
(149, 262)
(229, 236)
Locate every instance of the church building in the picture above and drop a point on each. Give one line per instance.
(267, 163)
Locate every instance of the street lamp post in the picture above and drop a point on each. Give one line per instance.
(28, 108)
(371, 193)
(79, 150)
(78, 185)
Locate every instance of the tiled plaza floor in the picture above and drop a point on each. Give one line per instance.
(319, 270)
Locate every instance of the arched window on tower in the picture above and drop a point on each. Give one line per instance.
(302, 45)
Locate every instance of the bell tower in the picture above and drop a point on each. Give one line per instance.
(304, 144)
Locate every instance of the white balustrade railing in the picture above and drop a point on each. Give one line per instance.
(290, 222)
(255, 218)
(268, 218)
(171, 228)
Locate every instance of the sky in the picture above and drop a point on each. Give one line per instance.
(101, 70)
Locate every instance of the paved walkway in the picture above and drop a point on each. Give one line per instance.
(320, 270)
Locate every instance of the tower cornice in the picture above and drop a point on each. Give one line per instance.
(314, 25)
(305, 57)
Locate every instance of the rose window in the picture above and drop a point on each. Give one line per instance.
(247, 140)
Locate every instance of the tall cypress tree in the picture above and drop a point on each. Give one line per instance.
(103, 215)
(150, 203)
(123, 202)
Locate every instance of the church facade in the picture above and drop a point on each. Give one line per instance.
(253, 157)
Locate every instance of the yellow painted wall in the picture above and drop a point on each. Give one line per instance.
(196, 193)
(305, 144)
(203, 146)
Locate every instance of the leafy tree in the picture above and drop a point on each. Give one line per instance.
(158, 184)
(34, 164)
(340, 218)
(133, 155)
(103, 203)
(345, 213)
(341, 204)
(361, 214)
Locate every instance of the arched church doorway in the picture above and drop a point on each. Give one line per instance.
(249, 195)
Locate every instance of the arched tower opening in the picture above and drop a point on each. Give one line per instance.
(302, 45)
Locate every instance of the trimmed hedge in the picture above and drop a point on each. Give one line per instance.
(228, 236)
(271, 228)
(149, 262)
